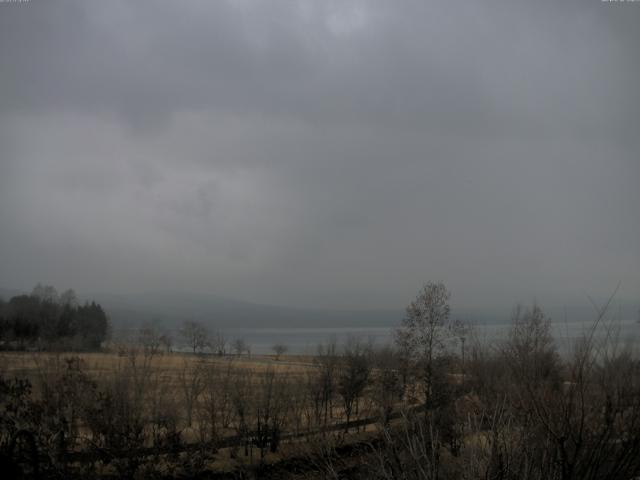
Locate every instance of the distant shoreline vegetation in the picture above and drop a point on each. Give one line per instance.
(47, 320)
(304, 340)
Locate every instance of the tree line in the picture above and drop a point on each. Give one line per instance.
(45, 319)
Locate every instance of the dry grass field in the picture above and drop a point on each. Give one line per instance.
(30, 364)
(248, 410)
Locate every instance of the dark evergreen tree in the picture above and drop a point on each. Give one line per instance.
(49, 320)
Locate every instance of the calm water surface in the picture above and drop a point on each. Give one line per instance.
(306, 340)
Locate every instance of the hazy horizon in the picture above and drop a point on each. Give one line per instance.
(332, 155)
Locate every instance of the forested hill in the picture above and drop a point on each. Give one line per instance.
(45, 319)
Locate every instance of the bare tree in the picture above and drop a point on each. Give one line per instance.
(387, 382)
(530, 350)
(243, 407)
(190, 378)
(279, 349)
(327, 361)
(45, 293)
(425, 331)
(410, 451)
(216, 407)
(166, 341)
(353, 377)
(240, 346)
(149, 339)
(68, 298)
(270, 410)
(585, 427)
(219, 344)
(195, 335)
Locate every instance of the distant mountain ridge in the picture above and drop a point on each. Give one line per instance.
(171, 308)
(220, 312)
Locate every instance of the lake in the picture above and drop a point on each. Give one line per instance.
(306, 340)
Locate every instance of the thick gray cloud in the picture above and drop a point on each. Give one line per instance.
(321, 153)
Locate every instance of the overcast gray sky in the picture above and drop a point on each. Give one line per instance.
(322, 153)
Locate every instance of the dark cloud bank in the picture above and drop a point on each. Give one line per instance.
(322, 154)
